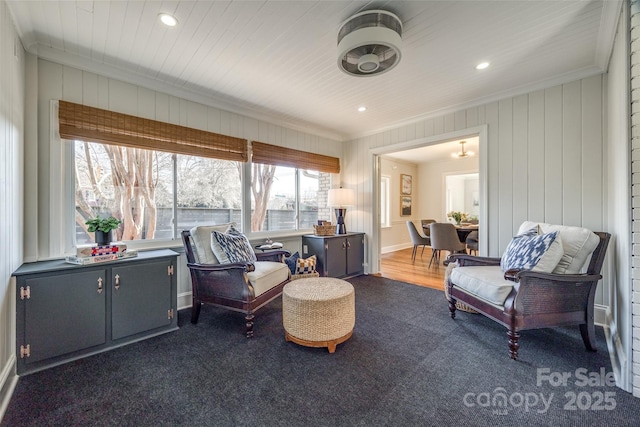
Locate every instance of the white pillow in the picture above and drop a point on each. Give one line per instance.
(201, 237)
(578, 243)
(533, 251)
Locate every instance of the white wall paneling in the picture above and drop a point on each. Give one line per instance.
(12, 171)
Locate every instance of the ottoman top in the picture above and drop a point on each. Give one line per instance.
(318, 289)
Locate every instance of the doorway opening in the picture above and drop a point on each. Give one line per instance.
(429, 196)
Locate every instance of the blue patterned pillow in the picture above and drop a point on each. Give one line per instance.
(292, 261)
(232, 246)
(531, 251)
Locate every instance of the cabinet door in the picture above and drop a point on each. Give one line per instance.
(336, 257)
(355, 254)
(64, 313)
(140, 298)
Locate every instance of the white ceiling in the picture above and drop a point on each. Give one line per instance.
(437, 152)
(277, 60)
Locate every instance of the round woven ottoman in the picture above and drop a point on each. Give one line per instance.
(318, 312)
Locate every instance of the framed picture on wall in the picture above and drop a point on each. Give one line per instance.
(405, 184)
(405, 206)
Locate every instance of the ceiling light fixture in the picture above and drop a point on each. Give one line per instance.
(168, 20)
(462, 152)
(369, 43)
(482, 66)
(362, 109)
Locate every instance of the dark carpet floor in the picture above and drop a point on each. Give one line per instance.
(407, 363)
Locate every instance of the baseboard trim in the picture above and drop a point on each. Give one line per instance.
(184, 300)
(394, 248)
(8, 382)
(619, 362)
(600, 315)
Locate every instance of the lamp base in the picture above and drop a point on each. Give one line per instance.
(340, 213)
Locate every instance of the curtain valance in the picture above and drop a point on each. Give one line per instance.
(107, 127)
(282, 156)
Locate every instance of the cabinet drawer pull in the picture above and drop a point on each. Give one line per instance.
(99, 285)
(117, 277)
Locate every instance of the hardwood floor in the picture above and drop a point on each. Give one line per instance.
(398, 266)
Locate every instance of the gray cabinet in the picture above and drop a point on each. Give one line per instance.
(62, 313)
(340, 255)
(65, 312)
(138, 304)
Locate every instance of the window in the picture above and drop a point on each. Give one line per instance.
(159, 178)
(462, 193)
(208, 191)
(158, 194)
(138, 186)
(385, 201)
(283, 198)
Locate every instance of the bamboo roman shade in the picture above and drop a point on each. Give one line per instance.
(108, 127)
(282, 156)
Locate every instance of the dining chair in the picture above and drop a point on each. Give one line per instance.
(425, 226)
(417, 239)
(472, 242)
(444, 238)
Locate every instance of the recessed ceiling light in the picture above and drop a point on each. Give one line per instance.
(168, 20)
(482, 66)
(362, 109)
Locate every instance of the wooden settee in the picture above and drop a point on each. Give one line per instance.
(243, 287)
(534, 299)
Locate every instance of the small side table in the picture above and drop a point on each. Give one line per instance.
(318, 312)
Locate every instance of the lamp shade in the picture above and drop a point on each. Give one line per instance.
(338, 197)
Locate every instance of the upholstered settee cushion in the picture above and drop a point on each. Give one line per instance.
(577, 243)
(201, 237)
(266, 275)
(532, 251)
(485, 282)
(232, 246)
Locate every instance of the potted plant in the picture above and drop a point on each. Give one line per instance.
(458, 217)
(102, 227)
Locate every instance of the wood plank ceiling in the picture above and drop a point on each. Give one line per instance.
(276, 60)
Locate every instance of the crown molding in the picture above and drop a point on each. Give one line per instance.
(520, 90)
(607, 34)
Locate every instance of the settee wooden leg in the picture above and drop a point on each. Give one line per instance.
(588, 332)
(249, 324)
(513, 344)
(195, 311)
(452, 308)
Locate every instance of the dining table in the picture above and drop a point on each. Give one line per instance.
(464, 230)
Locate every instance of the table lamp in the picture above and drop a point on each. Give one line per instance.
(339, 199)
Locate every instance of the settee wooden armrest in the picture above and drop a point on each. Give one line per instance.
(275, 256)
(465, 260)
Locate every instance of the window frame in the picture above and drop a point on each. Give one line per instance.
(69, 211)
